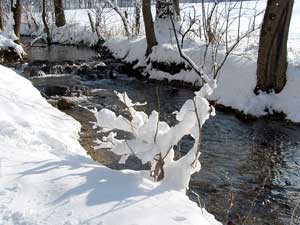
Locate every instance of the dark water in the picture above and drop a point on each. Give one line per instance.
(250, 171)
(57, 53)
(247, 168)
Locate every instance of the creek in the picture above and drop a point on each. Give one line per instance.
(249, 169)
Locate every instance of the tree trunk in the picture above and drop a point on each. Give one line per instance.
(176, 8)
(1, 16)
(17, 15)
(46, 27)
(137, 15)
(149, 27)
(165, 11)
(272, 53)
(60, 19)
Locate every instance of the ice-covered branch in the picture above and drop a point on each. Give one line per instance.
(153, 140)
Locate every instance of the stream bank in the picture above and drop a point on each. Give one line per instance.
(243, 164)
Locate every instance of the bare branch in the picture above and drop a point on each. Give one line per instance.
(186, 58)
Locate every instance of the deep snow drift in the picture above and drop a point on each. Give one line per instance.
(45, 177)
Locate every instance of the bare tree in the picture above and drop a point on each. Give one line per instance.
(17, 15)
(99, 25)
(137, 17)
(45, 22)
(149, 27)
(188, 25)
(220, 30)
(60, 19)
(166, 9)
(176, 7)
(1, 16)
(272, 54)
(99, 19)
(114, 5)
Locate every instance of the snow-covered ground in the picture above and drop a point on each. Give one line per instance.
(46, 177)
(237, 78)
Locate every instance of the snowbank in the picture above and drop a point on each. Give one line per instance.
(45, 177)
(7, 43)
(238, 80)
(237, 77)
(78, 29)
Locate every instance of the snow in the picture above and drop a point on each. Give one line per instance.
(7, 42)
(153, 140)
(236, 82)
(237, 78)
(77, 30)
(46, 177)
(8, 38)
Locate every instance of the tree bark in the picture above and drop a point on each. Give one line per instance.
(1, 16)
(149, 26)
(272, 53)
(17, 15)
(60, 19)
(137, 15)
(176, 7)
(167, 10)
(46, 27)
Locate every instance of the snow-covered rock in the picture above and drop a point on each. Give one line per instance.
(6, 43)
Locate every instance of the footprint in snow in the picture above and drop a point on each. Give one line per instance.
(179, 218)
(14, 188)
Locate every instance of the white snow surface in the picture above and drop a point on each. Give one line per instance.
(46, 177)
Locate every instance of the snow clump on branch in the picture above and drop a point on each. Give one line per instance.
(154, 140)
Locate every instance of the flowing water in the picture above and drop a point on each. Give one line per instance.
(247, 168)
(250, 171)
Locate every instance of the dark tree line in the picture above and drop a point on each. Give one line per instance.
(1, 16)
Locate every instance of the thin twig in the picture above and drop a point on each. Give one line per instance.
(294, 212)
(186, 58)
(197, 153)
(158, 106)
(256, 196)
